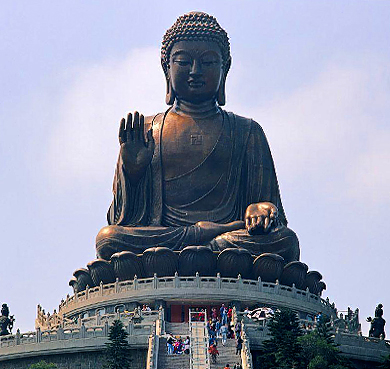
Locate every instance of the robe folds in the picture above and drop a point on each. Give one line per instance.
(141, 217)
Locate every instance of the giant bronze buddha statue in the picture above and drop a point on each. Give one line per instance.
(196, 174)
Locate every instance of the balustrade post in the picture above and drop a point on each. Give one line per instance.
(130, 328)
(240, 284)
(83, 331)
(259, 284)
(197, 279)
(176, 281)
(277, 287)
(60, 333)
(294, 290)
(38, 335)
(117, 285)
(87, 292)
(106, 329)
(219, 283)
(155, 281)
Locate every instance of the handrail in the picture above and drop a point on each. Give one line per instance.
(142, 285)
(198, 343)
(154, 340)
(246, 356)
(82, 331)
(153, 348)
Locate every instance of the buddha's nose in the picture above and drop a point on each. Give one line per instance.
(196, 68)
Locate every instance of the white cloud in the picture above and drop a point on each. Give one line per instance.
(334, 133)
(85, 134)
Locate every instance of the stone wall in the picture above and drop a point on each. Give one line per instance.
(76, 360)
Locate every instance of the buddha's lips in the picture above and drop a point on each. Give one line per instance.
(196, 84)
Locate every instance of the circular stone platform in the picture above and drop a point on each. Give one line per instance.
(195, 290)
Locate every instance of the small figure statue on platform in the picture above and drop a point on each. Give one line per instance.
(6, 321)
(377, 329)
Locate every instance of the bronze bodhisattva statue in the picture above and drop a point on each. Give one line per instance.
(196, 174)
(195, 188)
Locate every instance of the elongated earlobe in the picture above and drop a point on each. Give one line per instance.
(221, 97)
(170, 95)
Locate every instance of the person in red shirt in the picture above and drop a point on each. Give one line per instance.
(213, 351)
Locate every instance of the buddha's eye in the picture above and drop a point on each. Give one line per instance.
(208, 62)
(182, 62)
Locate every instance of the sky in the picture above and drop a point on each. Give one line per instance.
(314, 74)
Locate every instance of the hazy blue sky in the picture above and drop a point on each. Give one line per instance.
(314, 74)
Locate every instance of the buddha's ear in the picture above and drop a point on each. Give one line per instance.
(170, 94)
(221, 97)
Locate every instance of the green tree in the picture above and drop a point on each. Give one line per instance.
(118, 348)
(319, 352)
(282, 350)
(385, 363)
(323, 329)
(43, 365)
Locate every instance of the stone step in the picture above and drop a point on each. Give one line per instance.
(227, 354)
(177, 329)
(166, 361)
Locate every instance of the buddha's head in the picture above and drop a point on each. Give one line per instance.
(195, 57)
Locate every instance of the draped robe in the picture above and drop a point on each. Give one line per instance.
(164, 212)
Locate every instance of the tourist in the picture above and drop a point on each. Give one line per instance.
(213, 341)
(213, 351)
(208, 326)
(237, 328)
(237, 366)
(229, 315)
(230, 333)
(178, 347)
(223, 315)
(227, 366)
(214, 313)
(170, 342)
(221, 310)
(217, 328)
(224, 332)
(187, 345)
(239, 345)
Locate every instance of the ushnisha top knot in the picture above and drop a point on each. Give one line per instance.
(195, 26)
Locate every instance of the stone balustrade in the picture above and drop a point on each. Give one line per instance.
(79, 336)
(175, 288)
(355, 346)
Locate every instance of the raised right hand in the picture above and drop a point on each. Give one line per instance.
(136, 149)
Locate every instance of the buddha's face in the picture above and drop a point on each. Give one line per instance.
(195, 69)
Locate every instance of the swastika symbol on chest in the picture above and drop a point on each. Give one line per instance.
(196, 140)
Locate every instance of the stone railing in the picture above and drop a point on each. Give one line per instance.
(199, 343)
(153, 348)
(154, 341)
(138, 332)
(246, 356)
(245, 290)
(354, 346)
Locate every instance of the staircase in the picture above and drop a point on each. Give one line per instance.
(227, 355)
(177, 329)
(199, 354)
(166, 361)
